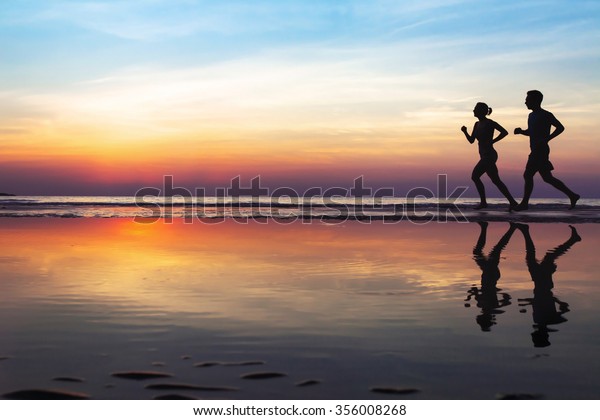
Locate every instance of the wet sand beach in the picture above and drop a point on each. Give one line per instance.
(112, 309)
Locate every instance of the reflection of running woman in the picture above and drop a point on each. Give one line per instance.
(539, 125)
(544, 302)
(483, 132)
(487, 296)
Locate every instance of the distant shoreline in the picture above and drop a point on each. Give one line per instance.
(7, 195)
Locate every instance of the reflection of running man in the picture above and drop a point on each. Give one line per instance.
(487, 296)
(539, 124)
(544, 302)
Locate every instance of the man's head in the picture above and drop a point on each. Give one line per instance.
(534, 99)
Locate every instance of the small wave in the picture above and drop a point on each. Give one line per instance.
(394, 209)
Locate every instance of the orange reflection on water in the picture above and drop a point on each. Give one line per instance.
(168, 266)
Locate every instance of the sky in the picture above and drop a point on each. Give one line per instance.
(106, 97)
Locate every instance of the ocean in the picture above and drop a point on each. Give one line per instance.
(287, 209)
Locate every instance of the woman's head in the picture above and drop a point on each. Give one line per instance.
(481, 110)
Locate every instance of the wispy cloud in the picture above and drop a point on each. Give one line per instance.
(402, 86)
(156, 19)
(418, 80)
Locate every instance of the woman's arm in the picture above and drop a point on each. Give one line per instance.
(470, 138)
(502, 132)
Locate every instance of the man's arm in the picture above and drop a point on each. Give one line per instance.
(519, 130)
(559, 128)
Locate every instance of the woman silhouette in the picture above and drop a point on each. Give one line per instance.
(483, 132)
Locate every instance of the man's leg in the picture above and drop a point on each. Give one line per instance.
(559, 185)
(528, 175)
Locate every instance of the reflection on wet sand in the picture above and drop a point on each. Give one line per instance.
(487, 295)
(544, 304)
(112, 309)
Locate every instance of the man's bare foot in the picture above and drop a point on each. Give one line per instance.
(480, 206)
(574, 235)
(574, 199)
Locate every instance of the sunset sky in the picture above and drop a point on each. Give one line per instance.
(105, 97)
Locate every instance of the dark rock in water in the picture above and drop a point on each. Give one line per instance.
(68, 379)
(263, 375)
(242, 363)
(519, 396)
(175, 397)
(394, 390)
(189, 387)
(45, 394)
(141, 375)
(309, 382)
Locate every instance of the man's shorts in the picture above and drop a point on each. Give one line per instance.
(538, 164)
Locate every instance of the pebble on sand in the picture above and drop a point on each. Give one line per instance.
(175, 397)
(45, 394)
(207, 364)
(140, 375)
(519, 396)
(394, 390)
(242, 363)
(68, 379)
(189, 387)
(263, 375)
(308, 382)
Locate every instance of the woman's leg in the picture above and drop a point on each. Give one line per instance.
(495, 177)
(478, 171)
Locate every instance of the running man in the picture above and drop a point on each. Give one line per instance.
(539, 125)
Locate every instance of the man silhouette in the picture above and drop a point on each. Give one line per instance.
(539, 125)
